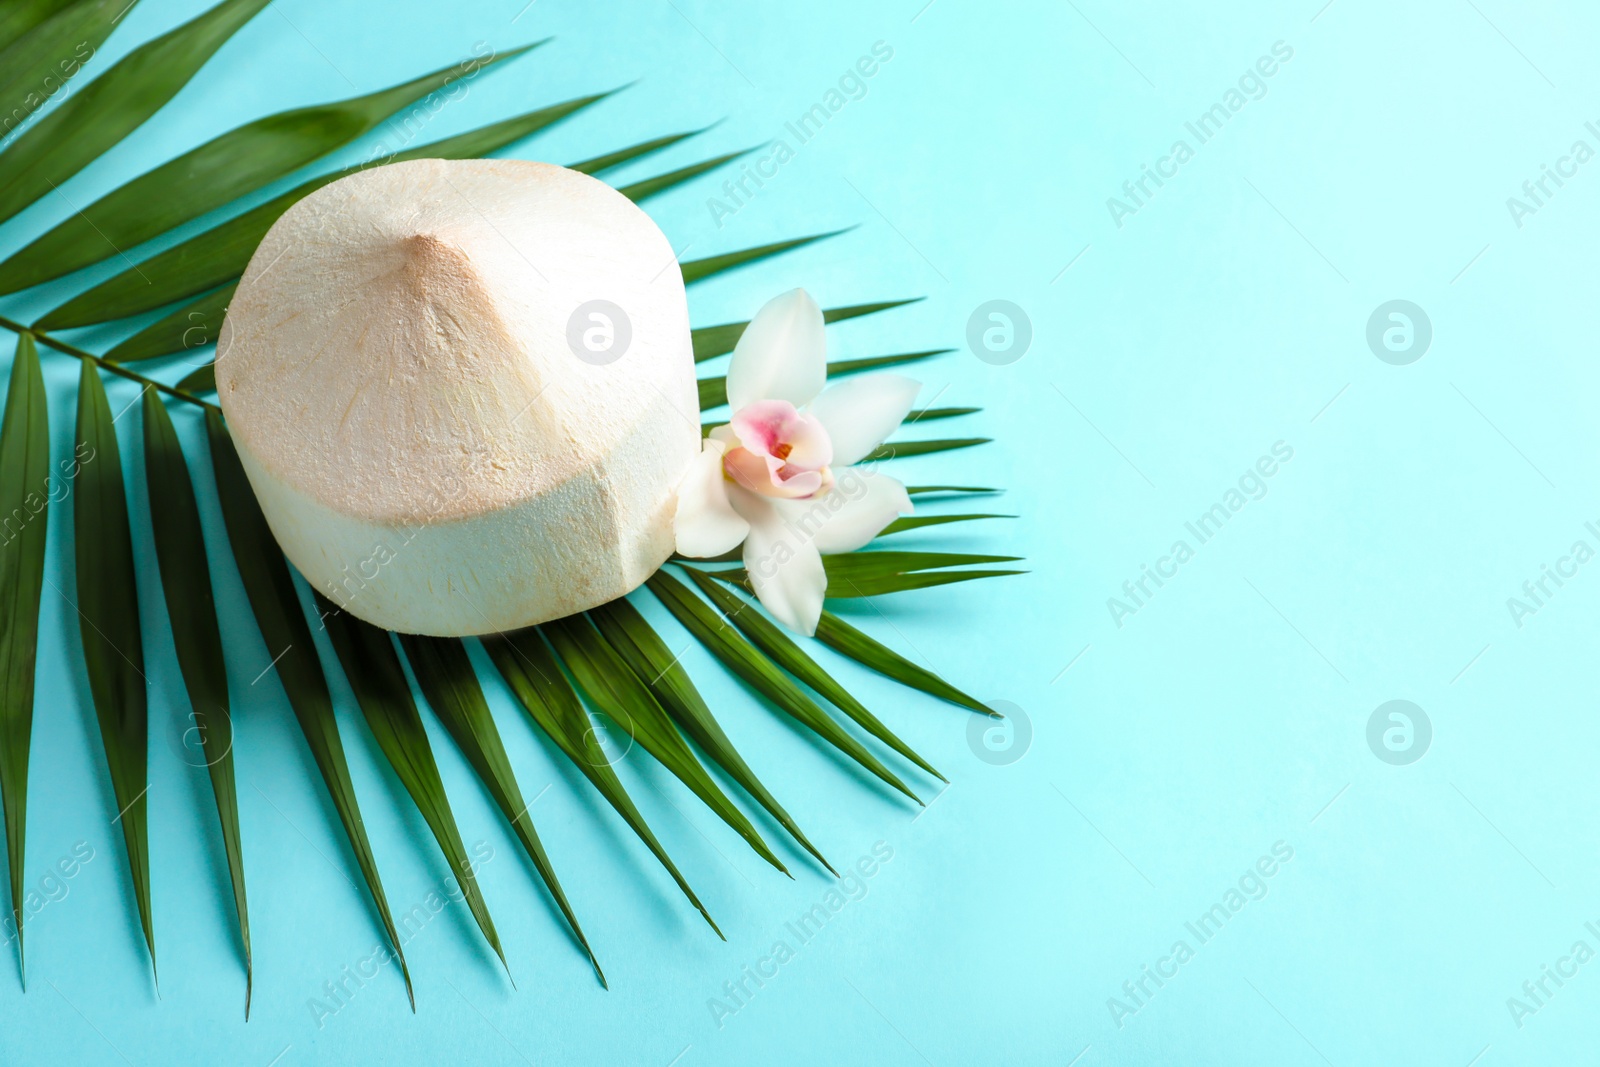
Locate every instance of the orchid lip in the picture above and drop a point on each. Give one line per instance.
(781, 452)
(769, 477)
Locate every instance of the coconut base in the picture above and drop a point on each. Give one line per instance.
(534, 561)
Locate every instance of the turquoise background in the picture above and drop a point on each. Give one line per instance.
(1228, 715)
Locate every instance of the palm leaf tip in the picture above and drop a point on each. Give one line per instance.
(656, 665)
(766, 636)
(921, 490)
(191, 610)
(849, 641)
(917, 522)
(662, 182)
(450, 685)
(609, 683)
(24, 472)
(534, 677)
(616, 158)
(723, 641)
(907, 449)
(108, 616)
(291, 654)
(697, 270)
(376, 678)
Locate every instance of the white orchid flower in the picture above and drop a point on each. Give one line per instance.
(780, 477)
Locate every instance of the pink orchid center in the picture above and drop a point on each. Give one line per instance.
(781, 452)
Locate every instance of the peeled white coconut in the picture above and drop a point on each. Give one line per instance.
(464, 392)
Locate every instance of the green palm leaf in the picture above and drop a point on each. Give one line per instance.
(853, 366)
(712, 341)
(192, 326)
(662, 182)
(108, 619)
(534, 677)
(223, 169)
(379, 683)
(624, 155)
(712, 630)
(447, 680)
(47, 52)
(906, 449)
(929, 414)
(714, 391)
(863, 574)
(849, 641)
(220, 255)
(283, 627)
(882, 585)
(872, 564)
(24, 476)
(655, 665)
(785, 653)
(186, 583)
(920, 490)
(917, 522)
(606, 679)
(203, 380)
(20, 16)
(698, 270)
(112, 106)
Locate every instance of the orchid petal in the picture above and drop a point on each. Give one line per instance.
(776, 428)
(782, 354)
(860, 413)
(770, 477)
(785, 570)
(705, 523)
(855, 511)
